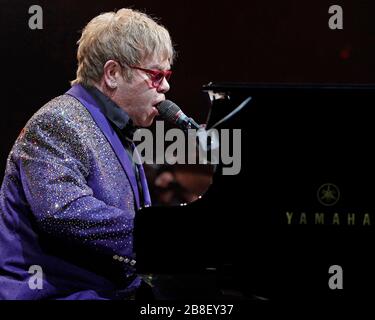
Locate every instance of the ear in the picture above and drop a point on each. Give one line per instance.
(111, 72)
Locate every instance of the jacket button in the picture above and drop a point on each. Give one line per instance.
(133, 262)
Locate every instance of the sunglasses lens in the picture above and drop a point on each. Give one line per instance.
(159, 77)
(156, 80)
(168, 74)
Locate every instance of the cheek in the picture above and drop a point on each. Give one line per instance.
(147, 103)
(144, 98)
(143, 104)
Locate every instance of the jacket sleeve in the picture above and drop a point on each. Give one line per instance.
(54, 165)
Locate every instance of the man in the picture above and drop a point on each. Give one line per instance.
(71, 190)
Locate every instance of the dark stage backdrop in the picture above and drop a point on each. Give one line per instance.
(248, 41)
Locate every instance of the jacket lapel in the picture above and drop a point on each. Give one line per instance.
(146, 193)
(78, 92)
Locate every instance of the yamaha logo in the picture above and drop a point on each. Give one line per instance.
(328, 194)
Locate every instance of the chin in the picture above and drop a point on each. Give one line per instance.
(146, 123)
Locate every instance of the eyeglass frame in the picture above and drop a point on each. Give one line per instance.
(155, 83)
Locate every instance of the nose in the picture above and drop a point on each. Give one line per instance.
(164, 86)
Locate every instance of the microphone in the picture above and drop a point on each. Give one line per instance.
(171, 112)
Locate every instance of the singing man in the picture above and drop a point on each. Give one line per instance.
(71, 189)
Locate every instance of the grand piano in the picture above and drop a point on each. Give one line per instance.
(302, 202)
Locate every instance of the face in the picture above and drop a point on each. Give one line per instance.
(139, 97)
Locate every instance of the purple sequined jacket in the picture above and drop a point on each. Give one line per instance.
(67, 207)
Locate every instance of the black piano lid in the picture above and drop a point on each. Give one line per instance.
(295, 139)
(295, 87)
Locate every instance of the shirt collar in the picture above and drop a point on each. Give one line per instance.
(113, 112)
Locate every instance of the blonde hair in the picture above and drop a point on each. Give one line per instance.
(127, 36)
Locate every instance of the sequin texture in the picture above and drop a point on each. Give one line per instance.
(70, 185)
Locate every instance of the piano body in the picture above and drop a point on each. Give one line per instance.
(272, 230)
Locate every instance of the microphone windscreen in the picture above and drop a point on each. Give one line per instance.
(168, 110)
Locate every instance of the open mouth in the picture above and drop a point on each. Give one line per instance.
(155, 106)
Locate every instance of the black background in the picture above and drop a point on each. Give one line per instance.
(237, 41)
(248, 41)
